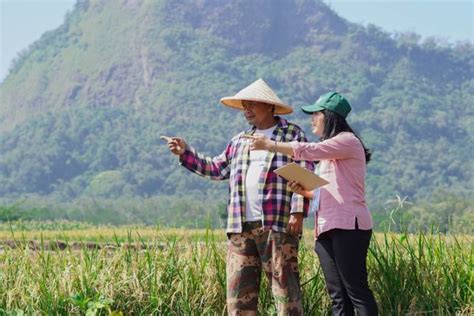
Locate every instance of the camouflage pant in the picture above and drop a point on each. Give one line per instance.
(275, 252)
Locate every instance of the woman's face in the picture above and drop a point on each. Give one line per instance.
(317, 123)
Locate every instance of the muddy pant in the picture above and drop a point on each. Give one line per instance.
(277, 253)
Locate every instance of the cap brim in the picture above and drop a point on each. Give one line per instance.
(310, 109)
(235, 103)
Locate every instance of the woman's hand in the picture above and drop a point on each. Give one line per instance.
(298, 189)
(259, 142)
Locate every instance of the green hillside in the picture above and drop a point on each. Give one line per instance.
(82, 109)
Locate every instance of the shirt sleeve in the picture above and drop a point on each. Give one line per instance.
(342, 146)
(217, 168)
(300, 204)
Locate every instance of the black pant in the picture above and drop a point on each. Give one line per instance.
(342, 254)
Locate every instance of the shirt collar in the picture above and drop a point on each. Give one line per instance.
(282, 123)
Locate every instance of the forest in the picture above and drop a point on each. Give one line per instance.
(82, 109)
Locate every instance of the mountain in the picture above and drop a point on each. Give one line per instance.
(82, 108)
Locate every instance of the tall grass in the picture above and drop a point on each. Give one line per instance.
(423, 274)
(182, 273)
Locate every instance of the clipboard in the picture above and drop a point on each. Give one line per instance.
(308, 179)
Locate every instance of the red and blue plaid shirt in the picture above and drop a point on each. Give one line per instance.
(278, 201)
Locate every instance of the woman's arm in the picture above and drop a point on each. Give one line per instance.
(260, 142)
(342, 146)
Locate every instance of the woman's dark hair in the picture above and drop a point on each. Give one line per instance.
(335, 124)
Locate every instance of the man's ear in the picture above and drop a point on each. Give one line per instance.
(272, 107)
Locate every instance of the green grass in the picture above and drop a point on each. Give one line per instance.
(182, 272)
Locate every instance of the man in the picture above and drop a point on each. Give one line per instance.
(265, 218)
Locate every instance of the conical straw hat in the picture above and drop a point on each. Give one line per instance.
(258, 91)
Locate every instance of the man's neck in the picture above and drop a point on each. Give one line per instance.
(267, 123)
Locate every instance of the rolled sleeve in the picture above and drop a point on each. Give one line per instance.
(296, 146)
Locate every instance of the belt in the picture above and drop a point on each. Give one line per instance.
(251, 225)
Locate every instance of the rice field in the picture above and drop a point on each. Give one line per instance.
(152, 270)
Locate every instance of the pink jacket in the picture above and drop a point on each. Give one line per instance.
(342, 201)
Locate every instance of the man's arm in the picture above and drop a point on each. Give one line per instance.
(217, 168)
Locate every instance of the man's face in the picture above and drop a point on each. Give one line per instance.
(256, 112)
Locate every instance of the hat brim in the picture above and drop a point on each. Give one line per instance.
(235, 103)
(310, 109)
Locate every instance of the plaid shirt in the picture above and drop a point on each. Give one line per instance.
(278, 201)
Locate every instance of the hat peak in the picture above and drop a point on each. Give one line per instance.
(258, 91)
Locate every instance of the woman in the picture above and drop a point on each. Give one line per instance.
(343, 221)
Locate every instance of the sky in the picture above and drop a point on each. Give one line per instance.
(23, 21)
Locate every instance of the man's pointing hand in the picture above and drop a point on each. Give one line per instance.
(176, 145)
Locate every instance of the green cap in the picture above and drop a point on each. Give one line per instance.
(331, 101)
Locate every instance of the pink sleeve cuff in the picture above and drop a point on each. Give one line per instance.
(296, 146)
